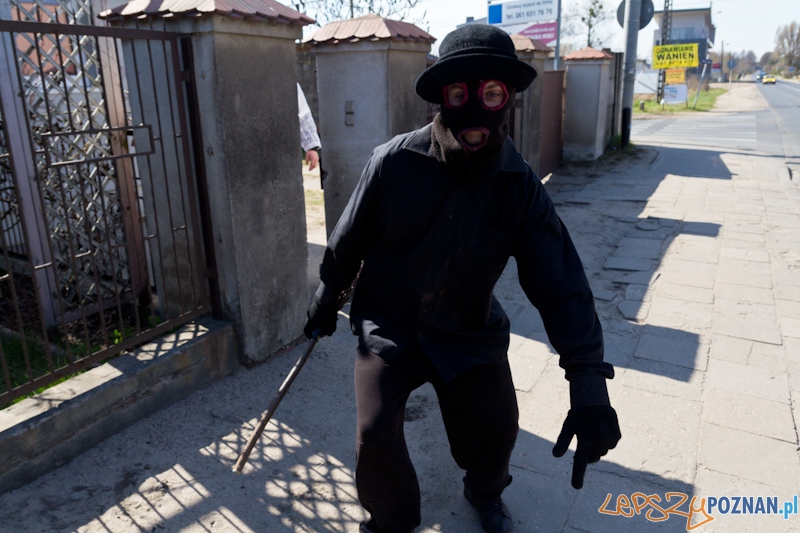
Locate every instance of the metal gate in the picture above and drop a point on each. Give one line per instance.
(99, 232)
(551, 137)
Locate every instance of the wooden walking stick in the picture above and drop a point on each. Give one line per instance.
(284, 388)
(273, 405)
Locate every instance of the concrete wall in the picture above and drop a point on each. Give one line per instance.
(247, 95)
(586, 109)
(41, 433)
(408, 111)
(378, 78)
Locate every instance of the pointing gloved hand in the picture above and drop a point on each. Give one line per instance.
(322, 316)
(597, 430)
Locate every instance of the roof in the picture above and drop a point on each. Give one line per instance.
(588, 53)
(266, 10)
(526, 44)
(368, 27)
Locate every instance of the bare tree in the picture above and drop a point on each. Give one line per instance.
(787, 43)
(767, 60)
(584, 22)
(325, 11)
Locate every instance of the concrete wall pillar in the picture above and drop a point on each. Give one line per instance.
(244, 72)
(366, 97)
(586, 110)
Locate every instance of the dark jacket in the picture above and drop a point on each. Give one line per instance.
(434, 243)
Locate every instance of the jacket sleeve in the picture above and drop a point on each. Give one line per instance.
(356, 230)
(552, 276)
(309, 139)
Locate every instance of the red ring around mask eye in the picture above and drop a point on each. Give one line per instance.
(452, 98)
(491, 103)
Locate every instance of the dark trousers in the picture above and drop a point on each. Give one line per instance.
(480, 414)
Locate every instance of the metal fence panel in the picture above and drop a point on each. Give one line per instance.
(98, 209)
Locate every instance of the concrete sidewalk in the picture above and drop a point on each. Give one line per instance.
(694, 257)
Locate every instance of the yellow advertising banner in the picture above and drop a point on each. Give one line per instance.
(675, 76)
(675, 56)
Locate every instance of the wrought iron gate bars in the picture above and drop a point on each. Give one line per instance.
(129, 200)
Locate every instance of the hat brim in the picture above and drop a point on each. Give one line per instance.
(509, 70)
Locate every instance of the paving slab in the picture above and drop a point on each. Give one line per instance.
(749, 380)
(604, 294)
(703, 281)
(745, 254)
(747, 328)
(787, 308)
(640, 454)
(749, 456)
(747, 413)
(637, 252)
(769, 356)
(628, 263)
(739, 265)
(700, 228)
(743, 293)
(659, 414)
(637, 292)
(686, 293)
(675, 347)
(731, 349)
(671, 313)
(687, 267)
(640, 278)
(649, 244)
(634, 310)
(790, 327)
(792, 348)
(527, 360)
(664, 378)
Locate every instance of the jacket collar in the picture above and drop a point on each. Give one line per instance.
(420, 142)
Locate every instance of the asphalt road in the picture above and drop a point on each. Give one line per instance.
(768, 126)
(784, 102)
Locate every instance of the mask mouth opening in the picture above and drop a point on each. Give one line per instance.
(471, 147)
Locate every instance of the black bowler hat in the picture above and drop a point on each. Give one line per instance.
(474, 51)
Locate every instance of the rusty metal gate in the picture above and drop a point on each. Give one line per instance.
(551, 137)
(101, 246)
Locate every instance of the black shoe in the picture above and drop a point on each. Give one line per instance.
(494, 515)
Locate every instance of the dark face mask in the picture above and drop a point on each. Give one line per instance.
(478, 111)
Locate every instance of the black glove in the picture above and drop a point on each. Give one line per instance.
(597, 429)
(321, 316)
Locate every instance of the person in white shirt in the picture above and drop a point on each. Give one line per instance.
(309, 139)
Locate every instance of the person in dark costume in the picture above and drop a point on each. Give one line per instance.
(432, 223)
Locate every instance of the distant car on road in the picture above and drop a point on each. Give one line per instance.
(768, 78)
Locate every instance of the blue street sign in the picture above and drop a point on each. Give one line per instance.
(731, 63)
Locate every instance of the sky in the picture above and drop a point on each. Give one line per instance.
(741, 24)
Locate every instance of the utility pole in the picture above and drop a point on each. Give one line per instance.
(558, 37)
(666, 37)
(632, 15)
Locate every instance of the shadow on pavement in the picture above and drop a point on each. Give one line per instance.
(172, 472)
